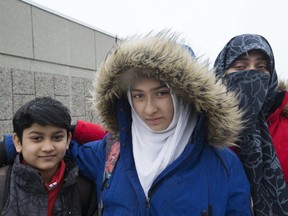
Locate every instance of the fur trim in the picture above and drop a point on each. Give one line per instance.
(163, 58)
(283, 86)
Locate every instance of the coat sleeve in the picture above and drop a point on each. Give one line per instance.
(239, 202)
(84, 132)
(90, 158)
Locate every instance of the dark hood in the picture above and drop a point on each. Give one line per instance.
(242, 44)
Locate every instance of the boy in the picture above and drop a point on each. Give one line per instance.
(42, 181)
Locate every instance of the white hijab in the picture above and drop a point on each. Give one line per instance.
(154, 150)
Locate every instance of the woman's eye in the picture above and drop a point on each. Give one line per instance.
(263, 67)
(239, 67)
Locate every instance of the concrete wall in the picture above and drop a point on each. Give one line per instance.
(45, 54)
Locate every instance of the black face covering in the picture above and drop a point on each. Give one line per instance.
(252, 86)
(256, 91)
(240, 45)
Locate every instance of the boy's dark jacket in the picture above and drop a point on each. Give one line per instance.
(32, 198)
(87, 188)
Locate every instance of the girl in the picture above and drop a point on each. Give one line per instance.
(171, 122)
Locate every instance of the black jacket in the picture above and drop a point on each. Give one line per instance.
(28, 196)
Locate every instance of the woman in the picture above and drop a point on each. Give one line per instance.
(171, 123)
(247, 65)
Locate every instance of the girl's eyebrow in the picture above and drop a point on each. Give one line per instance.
(161, 86)
(154, 89)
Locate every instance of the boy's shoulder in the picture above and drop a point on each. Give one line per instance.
(3, 170)
(5, 175)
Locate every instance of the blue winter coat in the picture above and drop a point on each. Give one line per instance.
(207, 178)
(204, 180)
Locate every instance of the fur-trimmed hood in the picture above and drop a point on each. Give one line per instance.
(162, 57)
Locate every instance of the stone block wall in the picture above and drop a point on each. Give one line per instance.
(43, 53)
(19, 86)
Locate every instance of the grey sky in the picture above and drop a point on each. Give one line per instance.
(207, 25)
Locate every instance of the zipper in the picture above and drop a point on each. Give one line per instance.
(147, 202)
(150, 194)
(155, 186)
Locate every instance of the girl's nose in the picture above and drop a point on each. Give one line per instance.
(150, 106)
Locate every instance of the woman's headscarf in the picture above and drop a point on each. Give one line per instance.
(242, 44)
(257, 92)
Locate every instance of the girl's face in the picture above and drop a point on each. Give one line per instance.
(152, 101)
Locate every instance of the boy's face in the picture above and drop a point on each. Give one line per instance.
(43, 147)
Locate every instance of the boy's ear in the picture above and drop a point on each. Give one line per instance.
(17, 143)
(69, 139)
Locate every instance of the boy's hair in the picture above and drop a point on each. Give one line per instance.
(43, 111)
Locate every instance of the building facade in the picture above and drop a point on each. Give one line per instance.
(43, 53)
